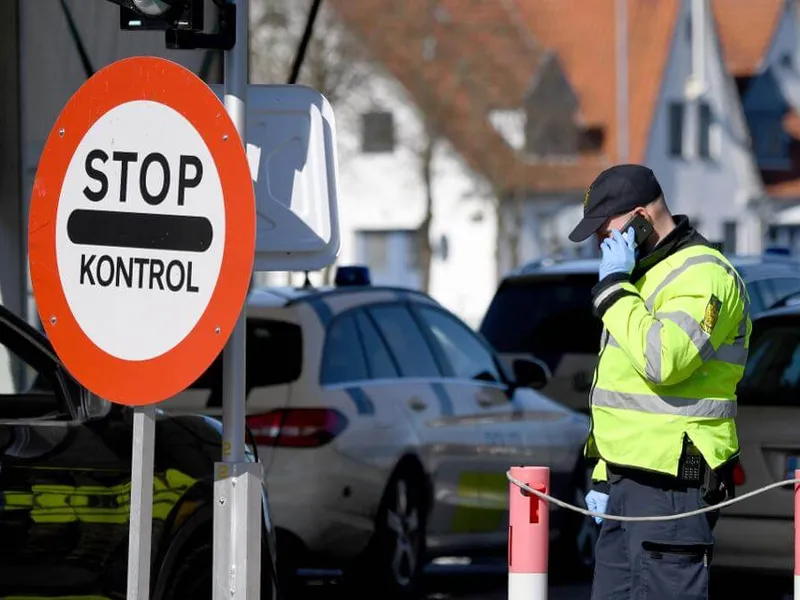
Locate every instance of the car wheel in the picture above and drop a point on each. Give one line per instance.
(194, 576)
(394, 559)
(574, 552)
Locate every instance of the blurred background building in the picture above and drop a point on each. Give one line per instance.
(470, 130)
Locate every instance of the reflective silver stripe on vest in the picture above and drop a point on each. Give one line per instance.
(735, 354)
(738, 347)
(699, 260)
(687, 324)
(666, 405)
(652, 353)
(691, 328)
(606, 293)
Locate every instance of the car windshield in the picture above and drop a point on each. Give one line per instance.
(544, 316)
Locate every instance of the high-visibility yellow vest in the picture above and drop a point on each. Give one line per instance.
(673, 350)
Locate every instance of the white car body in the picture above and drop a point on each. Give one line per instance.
(462, 435)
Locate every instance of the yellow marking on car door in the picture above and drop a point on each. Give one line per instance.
(482, 503)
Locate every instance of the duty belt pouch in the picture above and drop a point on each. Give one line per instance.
(718, 485)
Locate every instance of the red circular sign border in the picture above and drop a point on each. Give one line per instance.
(137, 383)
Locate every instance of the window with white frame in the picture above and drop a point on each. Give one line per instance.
(377, 132)
(729, 236)
(684, 141)
(375, 249)
(675, 124)
(705, 128)
(392, 255)
(770, 140)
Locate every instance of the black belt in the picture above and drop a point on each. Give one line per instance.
(692, 472)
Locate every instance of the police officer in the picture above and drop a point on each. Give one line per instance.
(674, 344)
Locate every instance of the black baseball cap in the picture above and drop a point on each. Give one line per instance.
(615, 191)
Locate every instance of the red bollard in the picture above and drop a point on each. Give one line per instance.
(797, 535)
(528, 535)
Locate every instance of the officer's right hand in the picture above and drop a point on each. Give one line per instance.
(618, 253)
(597, 502)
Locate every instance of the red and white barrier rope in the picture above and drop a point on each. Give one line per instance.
(529, 534)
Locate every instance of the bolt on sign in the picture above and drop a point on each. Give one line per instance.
(141, 231)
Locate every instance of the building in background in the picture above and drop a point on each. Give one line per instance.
(469, 131)
(528, 101)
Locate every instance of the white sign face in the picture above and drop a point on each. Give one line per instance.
(140, 230)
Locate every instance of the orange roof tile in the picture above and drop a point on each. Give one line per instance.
(746, 29)
(481, 60)
(487, 52)
(583, 33)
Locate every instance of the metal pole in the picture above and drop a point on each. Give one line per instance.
(237, 485)
(622, 80)
(233, 359)
(141, 509)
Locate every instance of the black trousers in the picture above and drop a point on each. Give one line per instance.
(655, 560)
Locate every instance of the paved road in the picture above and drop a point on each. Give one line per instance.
(489, 583)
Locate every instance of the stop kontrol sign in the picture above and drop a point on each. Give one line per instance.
(142, 231)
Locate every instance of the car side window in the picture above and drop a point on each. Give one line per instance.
(343, 357)
(405, 340)
(756, 292)
(25, 391)
(772, 374)
(380, 362)
(467, 356)
(777, 289)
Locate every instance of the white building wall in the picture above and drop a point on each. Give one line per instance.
(711, 191)
(386, 191)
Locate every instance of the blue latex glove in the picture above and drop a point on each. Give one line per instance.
(597, 502)
(619, 253)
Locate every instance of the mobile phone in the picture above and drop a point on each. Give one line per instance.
(641, 227)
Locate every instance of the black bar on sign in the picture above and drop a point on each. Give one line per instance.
(139, 230)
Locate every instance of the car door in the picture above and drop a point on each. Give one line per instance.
(768, 418)
(60, 514)
(758, 533)
(503, 433)
(445, 432)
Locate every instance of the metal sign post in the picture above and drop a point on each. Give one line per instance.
(141, 525)
(237, 485)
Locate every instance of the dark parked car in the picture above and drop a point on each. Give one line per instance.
(758, 533)
(544, 309)
(65, 461)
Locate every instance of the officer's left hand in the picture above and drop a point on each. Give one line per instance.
(597, 502)
(619, 253)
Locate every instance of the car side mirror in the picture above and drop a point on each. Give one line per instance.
(531, 372)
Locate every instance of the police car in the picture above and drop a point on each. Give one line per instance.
(386, 427)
